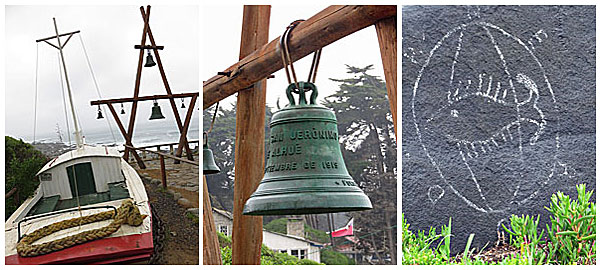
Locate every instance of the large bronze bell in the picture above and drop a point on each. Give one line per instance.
(156, 112)
(208, 160)
(305, 171)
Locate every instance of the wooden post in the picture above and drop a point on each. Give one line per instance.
(136, 91)
(320, 30)
(249, 142)
(386, 34)
(211, 252)
(163, 172)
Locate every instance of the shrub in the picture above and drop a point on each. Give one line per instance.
(267, 256)
(331, 257)
(573, 230)
(22, 162)
(524, 235)
(224, 240)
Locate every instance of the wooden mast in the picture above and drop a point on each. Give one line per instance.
(78, 138)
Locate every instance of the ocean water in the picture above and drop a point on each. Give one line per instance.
(143, 135)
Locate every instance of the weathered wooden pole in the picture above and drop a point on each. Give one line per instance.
(163, 172)
(136, 89)
(386, 34)
(322, 29)
(211, 253)
(249, 142)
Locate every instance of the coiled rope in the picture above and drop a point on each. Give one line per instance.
(127, 213)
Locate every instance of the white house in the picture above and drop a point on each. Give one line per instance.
(223, 221)
(292, 243)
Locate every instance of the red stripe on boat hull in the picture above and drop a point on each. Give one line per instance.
(127, 248)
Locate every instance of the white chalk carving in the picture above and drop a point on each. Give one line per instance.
(434, 193)
(465, 110)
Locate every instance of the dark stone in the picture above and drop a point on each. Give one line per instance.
(498, 113)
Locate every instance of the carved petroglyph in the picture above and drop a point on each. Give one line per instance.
(434, 193)
(497, 114)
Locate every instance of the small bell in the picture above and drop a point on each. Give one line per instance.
(99, 113)
(182, 104)
(122, 110)
(149, 60)
(156, 113)
(208, 160)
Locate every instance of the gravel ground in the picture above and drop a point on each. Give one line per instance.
(182, 233)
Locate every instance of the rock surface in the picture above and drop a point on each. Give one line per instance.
(498, 110)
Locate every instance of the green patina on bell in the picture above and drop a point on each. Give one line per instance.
(208, 160)
(305, 171)
(156, 112)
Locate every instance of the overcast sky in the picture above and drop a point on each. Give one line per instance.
(222, 26)
(109, 34)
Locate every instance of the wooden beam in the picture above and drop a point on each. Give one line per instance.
(249, 142)
(211, 252)
(10, 193)
(322, 29)
(122, 129)
(138, 78)
(386, 34)
(186, 124)
(144, 98)
(49, 38)
(163, 154)
(149, 47)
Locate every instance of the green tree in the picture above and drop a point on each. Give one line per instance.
(22, 162)
(221, 140)
(369, 147)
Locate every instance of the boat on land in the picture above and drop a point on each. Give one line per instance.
(87, 181)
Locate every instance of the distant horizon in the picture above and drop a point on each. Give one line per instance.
(52, 136)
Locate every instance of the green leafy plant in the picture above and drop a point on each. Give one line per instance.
(524, 235)
(22, 163)
(572, 233)
(331, 257)
(267, 256)
(571, 237)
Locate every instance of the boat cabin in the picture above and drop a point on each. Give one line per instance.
(85, 176)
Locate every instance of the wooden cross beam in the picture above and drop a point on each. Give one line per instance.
(320, 30)
(144, 98)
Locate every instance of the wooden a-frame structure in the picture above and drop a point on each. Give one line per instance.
(182, 126)
(258, 60)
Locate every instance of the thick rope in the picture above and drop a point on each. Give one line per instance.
(127, 213)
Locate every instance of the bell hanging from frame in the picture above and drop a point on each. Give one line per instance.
(208, 160)
(305, 172)
(99, 114)
(149, 60)
(182, 104)
(122, 109)
(156, 113)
